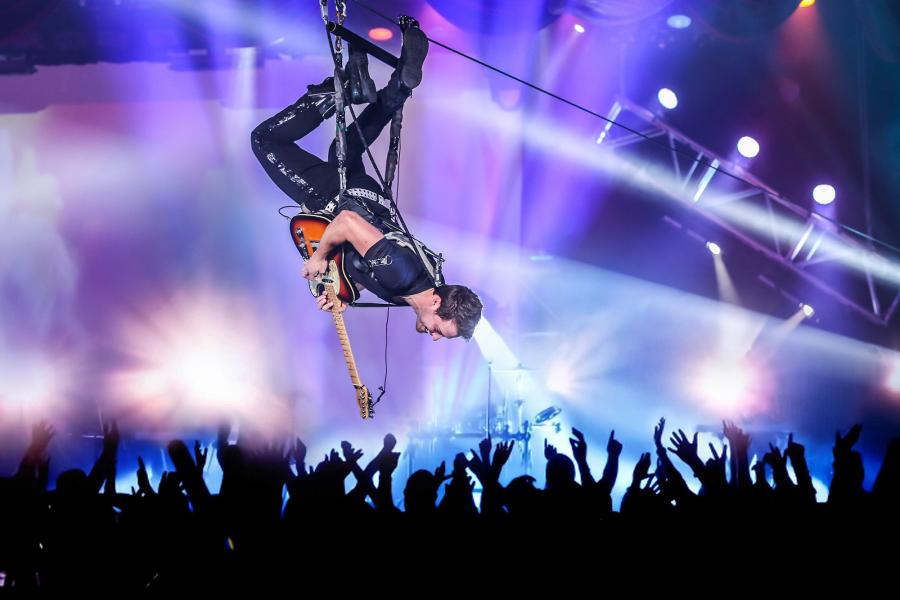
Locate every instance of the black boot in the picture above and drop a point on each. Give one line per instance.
(409, 72)
(412, 54)
(362, 88)
(358, 86)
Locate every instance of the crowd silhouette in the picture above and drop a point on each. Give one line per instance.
(281, 519)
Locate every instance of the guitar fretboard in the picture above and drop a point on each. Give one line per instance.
(342, 336)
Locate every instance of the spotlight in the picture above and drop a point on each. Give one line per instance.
(728, 385)
(824, 194)
(748, 147)
(807, 3)
(892, 380)
(667, 98)
(579, 27)
(713, 248)
(679, 21)
(808, 310)
(380, 34)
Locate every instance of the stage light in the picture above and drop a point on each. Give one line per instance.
(579, 27)
(807, 3)
(198, 356)
(824, 194)
(679, 21)
(808, 310)
(727, 385)
(560, 379)
(714, 248)
(748, 147)
(380, 34)
(667, 98)
(892, 380)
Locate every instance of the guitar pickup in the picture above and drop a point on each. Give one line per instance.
(301, 243)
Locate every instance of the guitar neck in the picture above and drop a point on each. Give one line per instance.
(343, 337)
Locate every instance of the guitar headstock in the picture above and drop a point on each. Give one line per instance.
(364, 400)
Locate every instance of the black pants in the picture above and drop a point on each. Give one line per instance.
(306, 178)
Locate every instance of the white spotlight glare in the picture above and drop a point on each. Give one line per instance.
(679, 21)
(713, 248)
(824, 194)
(748, 147)
(808, 310)
(892, 380)
(667, 98)
(579, 27)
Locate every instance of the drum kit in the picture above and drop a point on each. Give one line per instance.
(502, 419)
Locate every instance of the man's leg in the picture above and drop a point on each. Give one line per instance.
(390, 99)
(306, 178)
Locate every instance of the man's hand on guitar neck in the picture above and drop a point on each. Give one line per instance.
(324, 304)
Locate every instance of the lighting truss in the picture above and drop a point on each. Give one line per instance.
(816, 246)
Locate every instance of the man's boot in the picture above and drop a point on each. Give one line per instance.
(408, 74)
(358, 86)
(412, 54)
(362, 88)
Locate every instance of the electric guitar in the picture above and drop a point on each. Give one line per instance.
(307, 230)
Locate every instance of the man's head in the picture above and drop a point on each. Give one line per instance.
(451, 311)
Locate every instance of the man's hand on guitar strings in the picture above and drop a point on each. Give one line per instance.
(314, 267)
(324, 304)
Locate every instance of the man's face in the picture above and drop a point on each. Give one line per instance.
(428, 322)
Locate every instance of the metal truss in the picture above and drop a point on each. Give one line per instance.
(862, 289)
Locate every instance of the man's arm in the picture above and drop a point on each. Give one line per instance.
(347, 226)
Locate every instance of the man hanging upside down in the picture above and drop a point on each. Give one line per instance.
(391, 271)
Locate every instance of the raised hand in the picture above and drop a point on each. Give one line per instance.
(734, 434)
(641, 470)
(41, 434)
(843, 445)
(351, 455)
(200, 456)
(613, 446)
(658, 433)
(478, 467)
(579, 446)
(299, 452)
(143, 479)
(549, 450)
(35, 457)
(715, 466)
(484, 447)
(794, 451)
(440, 474)
(502, 452)
(775, 459)
(684, 448)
